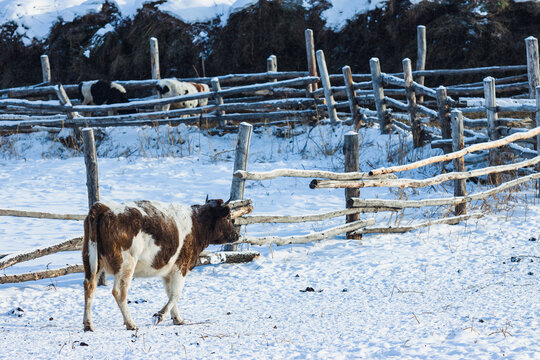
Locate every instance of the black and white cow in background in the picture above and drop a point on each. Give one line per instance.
(103, 92)
(168, 88)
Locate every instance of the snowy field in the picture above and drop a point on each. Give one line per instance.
(467, 291)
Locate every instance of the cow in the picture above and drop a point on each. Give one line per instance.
(201, 87)
(103, 92)
(148, 239)
(167, 88)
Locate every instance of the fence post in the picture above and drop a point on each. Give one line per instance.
(538, 136)
(64, 100)
(351, 95)
(458, 143)
(352, 164)
(444, 116)
(154, 58)
(493, 133)
(310, 50)
(92, 178)
(240, 163)
(271, 65)
(421, 54)
(216, 87)
(533, 72)
(325, 79)
(378, 92)
(416, 126)
(45, 69)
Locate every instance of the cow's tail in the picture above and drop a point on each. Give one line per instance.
(91, 240)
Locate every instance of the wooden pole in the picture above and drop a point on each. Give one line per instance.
(533, 72)
(310, 50)
(493, 133)
(92, 178)
(240, 163)
(45, 69)
(216, 88)
(444, 116)
(421, 54)
(378, 92)
(271, 65)
(154, 58)
(458, 143)
(352, 164)
(351, 95)
(64, 100)
(416, 126)
(325, 79)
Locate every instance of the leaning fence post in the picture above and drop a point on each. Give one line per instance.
(92, 178)
(351, 95)
(416, 126)
(325, 79)
(458, 143)
(538, 136)
(444, 116)
(216, 88)
(533, 72)
(310, 50)
(64, 101)
(378, 92)
(352, 164)
(240, 163)
(493, 133)
(271, 65)
(421, 54)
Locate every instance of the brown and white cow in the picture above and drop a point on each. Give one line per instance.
(148, 238)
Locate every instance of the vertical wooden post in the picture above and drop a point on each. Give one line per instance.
(351, 153)
(240, 163)
(444, 116)
(271, 65)
(416, 126)
(45, 69)
(351, 95)
(154, 58)
(533, 72)
(378, 92)
(64, 100)
(421, 54)
(325, 79)
(493, 133)
(216, 87)
(538, 136)
(458, 143)
(310, 50)
(92, 178)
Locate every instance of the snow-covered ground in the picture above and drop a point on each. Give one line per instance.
(467, 291)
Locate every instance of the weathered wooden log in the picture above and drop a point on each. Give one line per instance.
(458, 143)
(522, 151)
(15, 258)
(492, 118)
(272, 174)
(453, 155)
(90, 159)
(271, 65)
(416, 126)
(40, 215)
(327, 86)
(154, 59)
(38, 275)
(444, 115)
(216, 88)
(403, 229)
(479, 89)
(469, 71)
(311, 61)
(378, 92)
(503, 80)
(351, 154)
(403, 183)
(533, 70)
(64, 101)
(395, 103)
(45, 69)
(421, 52)
(303, 239)
(356, 116)
(403, 204)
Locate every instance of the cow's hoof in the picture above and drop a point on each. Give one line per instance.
(178, 321)
(157, 318)
(131, 326)
(88, 327)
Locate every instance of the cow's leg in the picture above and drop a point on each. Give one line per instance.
(90, 283)
(174, 283)
(122, 280)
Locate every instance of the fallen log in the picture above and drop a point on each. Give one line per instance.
(302, 239)
(403, 183)
(402, 204)
(458, 154)
(267, 175)
(206, 258)
(403, 229)
(15, 258)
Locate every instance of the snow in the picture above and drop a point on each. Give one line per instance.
(447, 291)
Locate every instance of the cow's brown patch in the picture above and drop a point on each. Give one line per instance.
(199, 87)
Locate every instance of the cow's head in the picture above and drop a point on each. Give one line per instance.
(215, 219)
